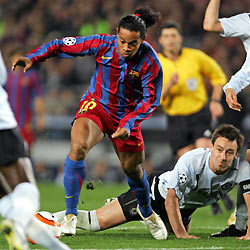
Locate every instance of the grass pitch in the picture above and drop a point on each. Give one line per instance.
(134, 235)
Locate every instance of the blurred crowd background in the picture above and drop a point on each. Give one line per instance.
(26, 24)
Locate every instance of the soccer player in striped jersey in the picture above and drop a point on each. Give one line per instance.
(19, 196)
(26, 99)
(125, 89)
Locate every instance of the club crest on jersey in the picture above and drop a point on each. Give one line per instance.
(69, 41)
(134, 74)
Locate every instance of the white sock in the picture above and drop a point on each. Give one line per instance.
(88, 220)
(43, 237)
(21, 204)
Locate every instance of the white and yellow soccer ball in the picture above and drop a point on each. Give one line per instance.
(49, 222)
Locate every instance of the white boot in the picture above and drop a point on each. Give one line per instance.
(155, 225)
(69, 227)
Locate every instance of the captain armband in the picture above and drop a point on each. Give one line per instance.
(245, 186)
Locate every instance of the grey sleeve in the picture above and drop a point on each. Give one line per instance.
(236, 26)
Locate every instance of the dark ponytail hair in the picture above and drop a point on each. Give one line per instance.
(140, 21)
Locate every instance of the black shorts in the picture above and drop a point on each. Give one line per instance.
(185, 130)
(129, 203)
(11, 146)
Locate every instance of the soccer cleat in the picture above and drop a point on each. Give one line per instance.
(231, 231)
(14, 234)
(69, 227)
(155, 225)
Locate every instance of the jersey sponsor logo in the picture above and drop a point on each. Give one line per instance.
(86, 106)
(69, 41)
(182, 178)
(134, 74)
(191, 84)
(245, 185)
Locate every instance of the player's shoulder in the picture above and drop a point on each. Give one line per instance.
(239, 17)
(197, 152)
(196, 157)
(244, 166)
(149, 51)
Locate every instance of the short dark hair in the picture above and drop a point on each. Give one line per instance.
(169, 25)
(230, 132)
(140, 21)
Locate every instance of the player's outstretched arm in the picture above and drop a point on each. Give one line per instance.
(174, 215)
(247, 236)
(211, 20)
(23, 62)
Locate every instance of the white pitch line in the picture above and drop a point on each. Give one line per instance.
(132, 228)
(186, 248)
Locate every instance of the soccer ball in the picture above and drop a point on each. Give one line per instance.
(49, 222)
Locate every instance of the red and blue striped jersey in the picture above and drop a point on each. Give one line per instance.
(22, 89)
(128, 90)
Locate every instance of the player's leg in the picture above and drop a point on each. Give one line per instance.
(84, 135)
(116, 212)
(137, 180)
(19, 208)
(12, 173)
(21, 196)
(110, 215)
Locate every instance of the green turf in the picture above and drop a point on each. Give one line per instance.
(133, 235)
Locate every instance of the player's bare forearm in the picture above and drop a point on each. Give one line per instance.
(211, 22)
(174, 215)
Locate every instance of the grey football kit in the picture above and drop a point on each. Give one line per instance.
(195, 185)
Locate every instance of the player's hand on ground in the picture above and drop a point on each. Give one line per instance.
(245, 237)
(23, 62)
(231, 99)
(121, 133)
(187, 236)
